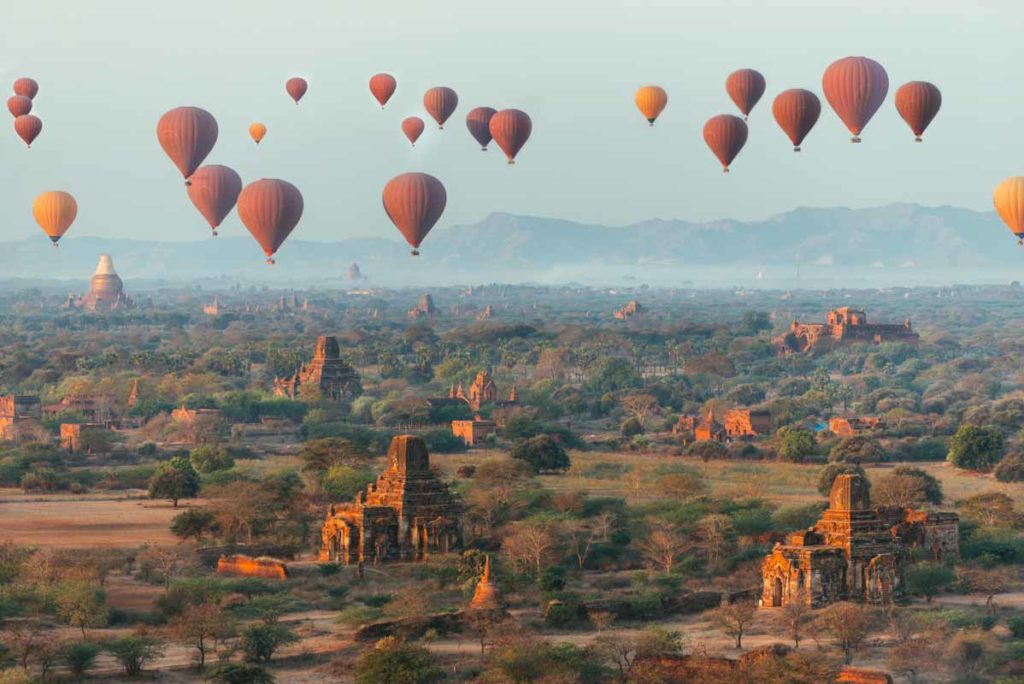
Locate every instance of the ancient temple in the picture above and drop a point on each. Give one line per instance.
(844, 325)
(330, 374)
(407, 514)
(632, 309)
(854, 552)
(424, 308)
(106, 290)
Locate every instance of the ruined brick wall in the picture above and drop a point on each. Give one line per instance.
(247, 566)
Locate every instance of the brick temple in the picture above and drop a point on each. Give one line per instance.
(330, 375)
(842, 326)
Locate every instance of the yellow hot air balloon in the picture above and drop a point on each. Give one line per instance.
(1009, 201)
(257, 131)
(651, 100)
(55, 211)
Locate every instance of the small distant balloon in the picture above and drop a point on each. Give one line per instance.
(26, 87)
(382, 86)
(270, 210)
(414, 202)
(745, 88)
(478, 121)
(413, 127)
(1009, 202)
(214, 190)
(511, 128)
(918, 102)
(440, 103)
(726, 135)
(55, 211)
(796, 111)
(855, 88)
(651, 101)
(28, 127)
(187, 135)
(19, 105)
(257, 131)
(296, 88)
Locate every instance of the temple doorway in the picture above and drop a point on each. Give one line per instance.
(777, 592)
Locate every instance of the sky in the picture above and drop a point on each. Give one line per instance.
(109, 68)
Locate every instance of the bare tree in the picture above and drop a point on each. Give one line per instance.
(531, 544)
(713, 531)
(661, 546)
(22, 637)
(795, 613)
(168, 561)
(581, 536)
(604, 522)
(639, 406)
(734, 619)
(848, 624)
(203, 627)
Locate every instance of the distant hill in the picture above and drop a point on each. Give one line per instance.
(884, 244)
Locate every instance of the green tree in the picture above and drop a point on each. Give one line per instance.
(134, 652)
(261, 641)
(174, 480)
(210, 458)
(976, 448)
(319, 455)
(611, 374)
(927, 579)
(193, 523)
(80, 656)
(393, 662)
(796, 444)
(833, 470)
(81, 605)
(543, 453)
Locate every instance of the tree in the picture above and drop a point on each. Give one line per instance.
(239, 673)
(639, 406)
(22, 638)
(906, 486)
(682, 486)
(796, 444)
(927, 579)
(543, 453)
(976, 448)
(734, 618)
(168, 562)
(795, 613)
(611, 374)
(210, 459)
(261, 641)
(80, 656)
(969, 655)
(393, 662)
(708, 450)
(319, 455)
(990, 581)
(202, 627)
(915, 655)
(531, 544)
(81, 605)
(858, 449)
(1010, 469)
(662, 545)
(833, 470)
(193, 523)
(174, 480)
(991, 509)
(134, 652)
(714, 531)
(847, 623)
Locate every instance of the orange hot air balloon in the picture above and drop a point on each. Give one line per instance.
(855, 88)
(214, 191)
(796, 112)
(55, 211)
(187, 134)
(414, 202)
(918, 102)
(651, 101)
(382, 86)
(440, 103)
(511, 128)
(257, 131)
(478, 121)
(296, 88)
(1009, 201)
(725, 134)
(19, 105)
(28, 127)
(270, 209)
(745, 88)
(413, 127)
(26, 87)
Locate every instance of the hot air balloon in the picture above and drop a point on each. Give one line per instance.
(382, 86)
(270, 209)
(918, 102)
(440, 103)
(413, 127)
(855, 87)
(725, 134)
(187, 134)
(796, 112)
(745, 88)
(651, 100)
(478, 121)
(1009, 201)
(19, 105)
(414, 202)
(296, 88)
(214, 191)
(55, 211)
(28, 127)
(257, 131)
(26, 87)
(511, 128)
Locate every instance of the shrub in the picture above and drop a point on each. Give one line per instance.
(134, 652)
(208, 459)
(833, 470)
(80, 656)
(1010, 469)
(631, 427)
(261, 641)
(796, 444)
(1016, 625)
(543, 453)
(443, 442)
(393, 661)
(239, 673)
(976, 448)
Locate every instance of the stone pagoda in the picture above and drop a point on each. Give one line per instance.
(330, 375)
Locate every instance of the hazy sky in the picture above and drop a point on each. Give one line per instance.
(109, 68)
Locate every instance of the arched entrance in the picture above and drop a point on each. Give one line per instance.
(777, 592)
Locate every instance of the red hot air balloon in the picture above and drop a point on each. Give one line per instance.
(19, 105)
(187, 134)
(440, 103)
(383, 87)
(296, 88)
(855, 87)
(270, 209)
(413, 127)
(478, 121)
(510, 128)
(725, 134)
(414, 202)
(26, 87)
(745, 87)
(796, 112)
(214, 191)
(28, 128)
(918, 102)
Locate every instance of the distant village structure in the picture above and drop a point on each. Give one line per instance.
(18, 412)
(407, 514)
(483, 391)
(424, 308)
(854, 552)
(106, 290)
(740, 424)
(842, 326)
(848, 427)
(632, 309)
(330, 375)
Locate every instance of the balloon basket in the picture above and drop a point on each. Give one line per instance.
(214, 233)
(918, 139)
(855, 139)
(270, 261)
(511, 161)
(483, 149)
(725, 169)
(1020, 241)
(796, 149)
(414, 252)
(650, 122)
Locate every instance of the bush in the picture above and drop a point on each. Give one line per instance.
(631, 427)
(976, 448)
(342, 483)
(208, 459)
(239, 673)
(261, 641)
(543, 453)
(796, 445)
(552, 578)
(708, 450)
(1016, 625)
(443, 442)
(328, 569)
(927, 579)
(134, 652)
(833, 470)
(80, 656)
(393, 661)
(1010, 469)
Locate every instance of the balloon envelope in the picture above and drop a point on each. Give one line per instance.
(214, 191)
(382, 86)
(187, 134)
(1009, 202)
(745, 88)
(511, 128)
(296, 88)
(413, 127)
(855, 88)
(55, 211)
(257, 131)
(651, 101)
(918, 102)
(414, 202)
(478, 121)
(725, 134)
(270, 209)
(440, 103)
(27, 87)
(28, 127)
(796, 112)
(19, 105)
